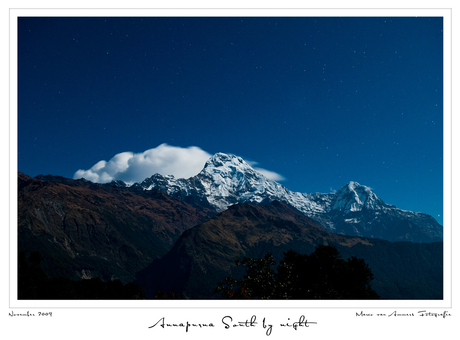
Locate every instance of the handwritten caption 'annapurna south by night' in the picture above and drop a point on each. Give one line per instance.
(228, 322)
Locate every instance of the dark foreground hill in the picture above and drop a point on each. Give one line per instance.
(87, 230)
(204, 255)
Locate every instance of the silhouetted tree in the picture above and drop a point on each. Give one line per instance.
(320, 275)
(259, 281)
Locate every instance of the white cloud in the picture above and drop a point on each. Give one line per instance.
(164, 159)
(270, 174)
(274, 176)
(135, 167)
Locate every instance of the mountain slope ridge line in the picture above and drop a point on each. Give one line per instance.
(352, 210)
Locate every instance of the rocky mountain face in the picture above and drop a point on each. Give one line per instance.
(84, 230)
(352, 210)
(206, 254)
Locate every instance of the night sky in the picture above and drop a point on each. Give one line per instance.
(317, 101)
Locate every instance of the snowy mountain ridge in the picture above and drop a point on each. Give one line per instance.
(228, 179)
(354, 209)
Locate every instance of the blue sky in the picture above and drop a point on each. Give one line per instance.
(318, 101)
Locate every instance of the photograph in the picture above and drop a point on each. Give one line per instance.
(226, 173)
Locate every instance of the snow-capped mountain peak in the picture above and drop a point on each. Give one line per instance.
(229, 167)
(356, 197)
(228, 179)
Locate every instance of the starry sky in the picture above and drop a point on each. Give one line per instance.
(317, 101)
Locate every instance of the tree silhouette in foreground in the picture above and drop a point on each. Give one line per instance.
(320, 275)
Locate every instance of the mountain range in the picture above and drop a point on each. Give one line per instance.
(353, 210)
(184, 235)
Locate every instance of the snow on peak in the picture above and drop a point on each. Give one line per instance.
(221, 159)
(228, 179)
(355, 197)
(230, 173)
(352, 185)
